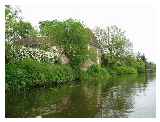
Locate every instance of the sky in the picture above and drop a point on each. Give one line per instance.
(138, 22)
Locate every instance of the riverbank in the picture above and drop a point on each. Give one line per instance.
(28, 74)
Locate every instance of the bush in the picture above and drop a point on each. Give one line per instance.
(95, 72)
(71, 35)
(29, 73)
(124, 70)
(93, 54)
(16, 53)
(16, 77)
(140, 67)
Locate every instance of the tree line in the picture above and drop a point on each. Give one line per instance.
(73, 36)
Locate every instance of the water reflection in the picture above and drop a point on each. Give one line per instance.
(118, 97)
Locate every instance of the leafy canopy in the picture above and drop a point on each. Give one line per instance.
(15, 27)
(71, 35)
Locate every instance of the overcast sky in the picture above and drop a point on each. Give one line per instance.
(137, 22)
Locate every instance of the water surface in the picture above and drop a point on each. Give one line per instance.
(123, 96)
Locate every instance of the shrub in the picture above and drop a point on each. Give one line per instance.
(140, 67)
(29, 73)
(93, 54)
(95, 72)
(124, 70)
(17, 53)
(71, 35)
(16, 77)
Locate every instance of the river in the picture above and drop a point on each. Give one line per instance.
(130, 96)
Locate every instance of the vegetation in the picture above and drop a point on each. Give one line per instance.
(29, 66)
(117, 52)
(15, 27)
(92, 55)
(29, 73)
(125, 70)
(16, 53)
(95, 73)
(72, 36)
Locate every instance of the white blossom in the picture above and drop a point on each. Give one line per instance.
(36, 54)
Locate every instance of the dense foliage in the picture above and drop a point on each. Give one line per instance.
(17, 53)
(15, 27)
(125, 70)
(113, 44)
(29, 73)
(95, 73)
(32, 56)
(71, 35)
(117, 52)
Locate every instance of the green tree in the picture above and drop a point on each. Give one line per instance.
(142, 61)
(71, 35)
(113, 43)
(24, 29)
(15, 27)
(11, 19)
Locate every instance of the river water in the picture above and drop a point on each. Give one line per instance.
(124, 96)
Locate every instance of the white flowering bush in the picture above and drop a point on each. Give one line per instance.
(21, 53)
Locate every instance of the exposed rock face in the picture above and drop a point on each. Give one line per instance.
(64, 59)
